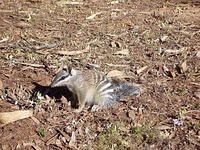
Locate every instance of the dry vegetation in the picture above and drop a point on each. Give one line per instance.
(153, 43)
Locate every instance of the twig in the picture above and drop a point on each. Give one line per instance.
(33, 47)
(4, 39)
(88, 65)
(195, 83)
(33, 65)
(173, 51)
(47, 67)
(45, 46)
(93, 15)
(116, 65)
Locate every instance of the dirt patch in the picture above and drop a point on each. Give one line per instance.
(162, 39)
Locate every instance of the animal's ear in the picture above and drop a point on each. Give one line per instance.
(70, 70)
(66, 68)
(73, 72)
(62, 67)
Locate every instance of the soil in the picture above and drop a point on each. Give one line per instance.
(154, 43)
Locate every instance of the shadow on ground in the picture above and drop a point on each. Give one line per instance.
(55, 93)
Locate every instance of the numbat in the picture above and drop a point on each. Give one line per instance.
(93, 88)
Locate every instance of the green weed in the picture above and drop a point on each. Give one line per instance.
(111, 139)
(144, 133)
(42, 132)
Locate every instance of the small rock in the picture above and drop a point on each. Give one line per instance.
(115, 73)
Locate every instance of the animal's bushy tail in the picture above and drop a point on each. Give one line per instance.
(124, 89)
(120, 90)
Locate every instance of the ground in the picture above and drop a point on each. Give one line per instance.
(154, 43)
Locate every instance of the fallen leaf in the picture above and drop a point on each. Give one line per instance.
(138, 71)
(22, 24)
(8, 117)
(164, 38)
(93, 16)
(115, 73)
(113, 2)
(72, 142)
(162, 127)
(60, 3)
(173, 51)
(4, 39)
(122, 52)
(184, 67)
(117, 65)
(71, 53)
(35, 120)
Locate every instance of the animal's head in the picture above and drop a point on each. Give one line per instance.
(63, 77)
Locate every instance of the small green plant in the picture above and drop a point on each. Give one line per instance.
(196, 105)
(111, 139)
(182, 90)
(37, 98)
(182, 112)
(42, 132)
(197, 125)
(144, 133)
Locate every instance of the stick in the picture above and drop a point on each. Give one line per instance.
(33, 47)
(45, 46)
(117, 65)
(33, 65)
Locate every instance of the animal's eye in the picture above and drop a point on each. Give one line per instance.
(63, 77)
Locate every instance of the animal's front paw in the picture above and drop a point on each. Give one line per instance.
(77, 110)
(80, 108)
(95, 108)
